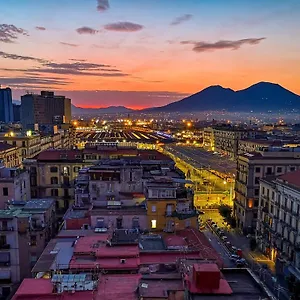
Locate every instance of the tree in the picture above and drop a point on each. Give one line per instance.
(226, 212)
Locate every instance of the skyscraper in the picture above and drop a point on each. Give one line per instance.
(45, 108)
(6, 108)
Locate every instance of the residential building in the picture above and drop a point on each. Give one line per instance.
(251, 167)
(25, 228)
(170, 205)
(227, 139)
(29, 143)
(10, 155)
(6, 108)
(248, 145)
(14, 185)
(278, 226)
(208, 139)
(53, 172)
(16, 112)
(45, 108)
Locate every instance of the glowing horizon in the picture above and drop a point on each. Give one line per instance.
(146, 53)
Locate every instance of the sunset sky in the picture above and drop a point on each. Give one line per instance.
(142, 53)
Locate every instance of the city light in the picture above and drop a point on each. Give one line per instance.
(189, 124)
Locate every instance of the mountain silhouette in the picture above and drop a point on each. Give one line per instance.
(260, 97)
(105, 110)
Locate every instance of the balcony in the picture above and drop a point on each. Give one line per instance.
(8, 228)
(4, 246)
(182, 215)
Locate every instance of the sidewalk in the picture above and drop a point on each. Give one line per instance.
(242, 242)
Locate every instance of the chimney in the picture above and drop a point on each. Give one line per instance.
(206, 276)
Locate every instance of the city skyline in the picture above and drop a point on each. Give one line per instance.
(146, 53)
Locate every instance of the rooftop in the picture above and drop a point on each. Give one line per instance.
(291, 178)
(39, 204)
(5, 147)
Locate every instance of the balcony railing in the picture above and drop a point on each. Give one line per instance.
(10, 228)
(185, 214)
(5, 246)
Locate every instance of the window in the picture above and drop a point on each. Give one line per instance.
(273, 195)
(255, 203)
(256, 192)
(54, 192)
(53, 169)
(292, 169)
(256, 180)
(33, 240)
(263, 190)
(135, 223)
(54, 180)
(5, 191)
(66, 170)
(269, 171)
(76, 169)
(255, 215)
(2, 240)
(279, 169)
(153, 224)
(153, 208)
(257, 170)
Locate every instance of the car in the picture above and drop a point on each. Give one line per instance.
(240, 262)
(224, 237)
(234, 257)
(234, 249)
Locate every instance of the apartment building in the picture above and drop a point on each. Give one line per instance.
(170, 206)
(52, 174)
(25, 229)
(278, 226)
(251, 167)
(208, 139)
(10, 155)
(45, 108)
(14, 185)
(227, 139)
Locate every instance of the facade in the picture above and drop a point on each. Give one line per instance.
(45, 108)
(208, 139)
(251, 167)
(227, 139)
(6, 107)
(14, 185)
(278, 225)
(53, 172)
(26, 227)
(10, 155)
(170, 206)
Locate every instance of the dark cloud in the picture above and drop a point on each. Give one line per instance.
(21, 57)
(34, 80)
(68, 44)
(220, 45)
(77, 68)
(86, 30)
(181, 19)
(9, 33)
(123, 27)
(41, 28)
(102, 5)
(78, 60)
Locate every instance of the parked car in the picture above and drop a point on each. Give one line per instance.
(233, 249)
(234, 257)
(240, 263)
(224, 238)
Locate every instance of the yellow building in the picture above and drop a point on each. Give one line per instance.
(10, 156)
(169, 206)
